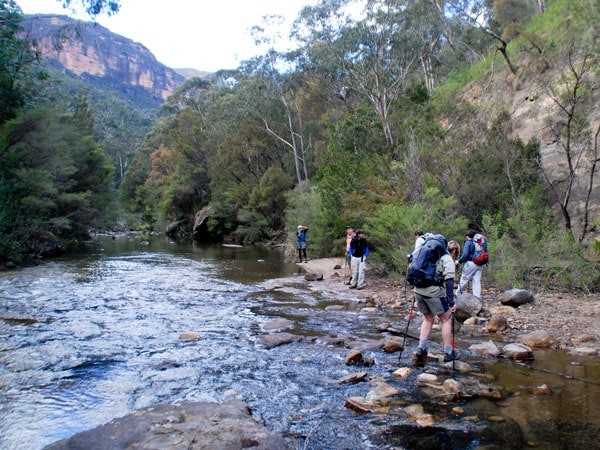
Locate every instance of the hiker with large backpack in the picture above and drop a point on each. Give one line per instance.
(474, 257)
(431, 272)
(359, 249)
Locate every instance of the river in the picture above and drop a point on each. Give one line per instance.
(95, 335)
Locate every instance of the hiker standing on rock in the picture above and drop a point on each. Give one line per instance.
(301, 242)
(437, 300)
(471, 271)
(359, 250)
(349, 235)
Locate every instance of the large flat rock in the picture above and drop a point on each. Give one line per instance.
(194, 425)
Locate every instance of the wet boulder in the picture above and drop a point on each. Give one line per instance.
(584, 351)
(177, 229)
(353, 377)
(485, 349)
(538, 338)
(497, 323)
(188, 425)
(381, 392)
(517, 297)
(519, 352)
(353, 357)
(277, 339)
(313, 276)
(200, 228)
(467, 305)
(278, 324)
(393, 345)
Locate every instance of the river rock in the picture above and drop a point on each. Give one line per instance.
(335, 308)
(424, 379)
(584, 351)
(313, 276)
(382, 391)
(538, 338)
(543, 389)
(278, 324)
(458, 366)
(497, 323)
(402, 372)
(520, 352)
(485, 349)
(358, 404)
(178, 228)
(189, 336)
(578, 340)
(502, 309)
(517, 297)
(392, 345)
(353, 377)
(467, 305)
(277, 339)
(451, 386)
(354, 356)
(188, 425)
(200, 228)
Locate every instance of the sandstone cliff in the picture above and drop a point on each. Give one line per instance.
(105, 59)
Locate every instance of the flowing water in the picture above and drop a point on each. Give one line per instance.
(95, 336)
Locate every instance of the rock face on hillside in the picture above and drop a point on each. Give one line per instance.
(96, 55)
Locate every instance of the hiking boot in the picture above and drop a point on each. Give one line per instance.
(452, 356)
(352, 286)
(419, 357)
(362, 286)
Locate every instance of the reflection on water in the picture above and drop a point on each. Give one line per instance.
(86, 339)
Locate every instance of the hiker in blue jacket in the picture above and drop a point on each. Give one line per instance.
(359, 249)
(471, 271)
(301, 242)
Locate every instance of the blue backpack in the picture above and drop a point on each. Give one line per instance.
(422, 271)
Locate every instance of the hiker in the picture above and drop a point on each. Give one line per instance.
(437, 300)
(349, 235)
(419, 239)
(454, 249)
(470, 271)
(359, 251)
(301, 242)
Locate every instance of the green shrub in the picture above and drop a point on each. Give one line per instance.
(391, 231)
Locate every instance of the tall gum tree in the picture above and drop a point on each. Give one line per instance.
(371, 55)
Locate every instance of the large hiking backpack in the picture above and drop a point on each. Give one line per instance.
(481, 255)
(422, 271)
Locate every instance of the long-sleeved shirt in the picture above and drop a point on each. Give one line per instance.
(468, 251)
(359, 247)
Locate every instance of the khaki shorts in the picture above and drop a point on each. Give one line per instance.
(431, 305)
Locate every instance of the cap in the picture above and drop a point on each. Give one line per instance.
(348, 227)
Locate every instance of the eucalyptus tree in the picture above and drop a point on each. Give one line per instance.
(370, 53)
(16, 58)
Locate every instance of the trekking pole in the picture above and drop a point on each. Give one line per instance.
(453, 344)
(410, 314)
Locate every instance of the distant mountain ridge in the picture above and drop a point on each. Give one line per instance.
(105, 59)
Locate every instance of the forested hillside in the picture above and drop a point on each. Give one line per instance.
(413, 114)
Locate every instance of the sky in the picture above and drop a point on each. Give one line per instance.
(199, 34)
